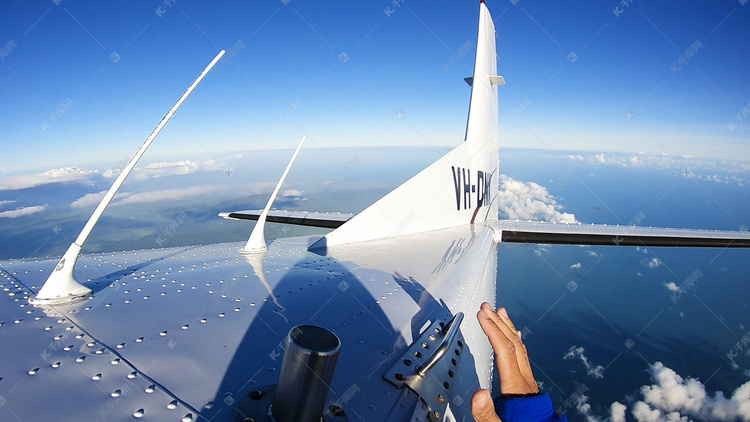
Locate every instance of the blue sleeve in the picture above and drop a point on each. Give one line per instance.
(528, 408)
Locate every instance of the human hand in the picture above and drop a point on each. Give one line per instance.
(512, 362)
(510, 353)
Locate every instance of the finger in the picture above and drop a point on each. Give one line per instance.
(482, 407)
(501, 323)
(513, 361)
(511, 379)
(524, 366)
(503, 314)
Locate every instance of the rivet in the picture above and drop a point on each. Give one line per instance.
(163, 333)
(97, 377)
(150, 389)
(138, 413)
(187, 418)
(116, 393)
(441, 399)
(34, 371)
(120, 346)
(256, 394)
(185, 327)
(336, 410)
(436, 415)
(115, 361)
(56, 364)
(139, 339)
(81, 359)
(172, 405)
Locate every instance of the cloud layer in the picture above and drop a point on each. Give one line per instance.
(21, 212)
(65, 174)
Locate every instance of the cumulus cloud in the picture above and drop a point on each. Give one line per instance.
(672, 287)
(109, 174)
(576, 265)
(163, 169)
(653, 263)
(617, 411)
(674, 398)
(23, 211)
(592, 253)
(595, 371)
(529, 201)
(292, 192)
(65, 174)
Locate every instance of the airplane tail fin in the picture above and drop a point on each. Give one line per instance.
(459, 188)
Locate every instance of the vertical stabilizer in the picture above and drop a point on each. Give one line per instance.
(459, 188)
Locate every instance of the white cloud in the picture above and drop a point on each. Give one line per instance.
(640, 249)
(108, 174)
(576, 265)
(65, 174)
(4, 203)
(617, 410)
(595, 371)
(592, 253)
(600, 158)
(673, 398)
(163, 169)
(91, 199)
(529, 201)
(166, 195)
(292, 192)
(672, 287)
(21, 212)
(653, 263)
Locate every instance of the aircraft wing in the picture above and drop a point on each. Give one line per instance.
(299, 218)
(509, 231)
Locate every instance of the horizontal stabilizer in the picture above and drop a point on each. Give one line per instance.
(299, 218)
(597, 234)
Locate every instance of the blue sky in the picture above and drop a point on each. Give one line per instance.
(84, 83)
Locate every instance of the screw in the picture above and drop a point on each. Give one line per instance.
(336, 410)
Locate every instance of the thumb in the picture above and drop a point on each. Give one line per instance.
(482, 407)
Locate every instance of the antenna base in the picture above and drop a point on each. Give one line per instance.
(62, 286)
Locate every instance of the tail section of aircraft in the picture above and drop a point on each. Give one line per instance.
(459, 188)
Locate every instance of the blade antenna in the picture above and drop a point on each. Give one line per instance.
(61, 286)
(257, 241)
